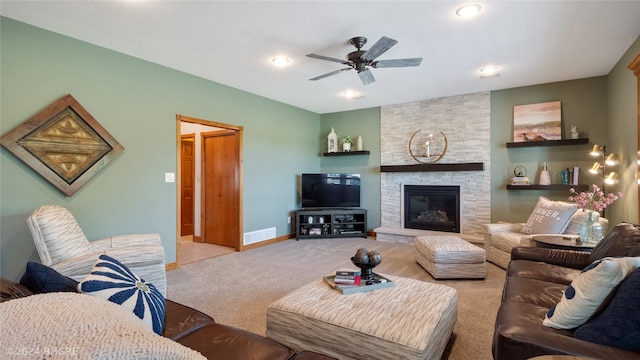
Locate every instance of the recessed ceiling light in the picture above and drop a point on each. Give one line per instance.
(280, 61)
(489, 71)
(468, 10)
(351, 94)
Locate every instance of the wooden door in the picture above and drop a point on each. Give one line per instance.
(221, 188)
(187, 183)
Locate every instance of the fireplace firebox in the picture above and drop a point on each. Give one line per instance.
(432, 207)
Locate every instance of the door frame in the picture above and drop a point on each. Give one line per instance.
(191, 137)
(240, 131)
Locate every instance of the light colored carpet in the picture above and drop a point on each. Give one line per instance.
(236, 289)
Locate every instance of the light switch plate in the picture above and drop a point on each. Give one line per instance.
(169, 177)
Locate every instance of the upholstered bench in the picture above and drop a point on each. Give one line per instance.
(413, 320)
(450, 257)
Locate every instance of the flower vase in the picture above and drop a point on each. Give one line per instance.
(346, 147)
(591, 230)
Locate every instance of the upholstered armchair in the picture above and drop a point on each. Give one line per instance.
(63, 246)
(501, 237)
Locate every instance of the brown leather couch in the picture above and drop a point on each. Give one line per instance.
(200, 332)
(535, 281)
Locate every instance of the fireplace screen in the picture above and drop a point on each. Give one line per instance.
(429, 207)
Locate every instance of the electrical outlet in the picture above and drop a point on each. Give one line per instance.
(288, 219)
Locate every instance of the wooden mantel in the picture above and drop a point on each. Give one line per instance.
(436, 167)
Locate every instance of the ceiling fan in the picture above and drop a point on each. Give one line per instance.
(360, 60)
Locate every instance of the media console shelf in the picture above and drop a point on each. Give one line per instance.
(330, 223)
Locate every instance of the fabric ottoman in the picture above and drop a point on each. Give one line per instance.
(411, 320)
(450, 257)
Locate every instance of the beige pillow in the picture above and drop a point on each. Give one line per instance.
(549, 217)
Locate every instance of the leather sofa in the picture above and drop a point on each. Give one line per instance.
(200, 332)
(535, 281)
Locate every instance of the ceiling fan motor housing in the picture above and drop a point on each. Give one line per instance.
(358, 41)
(356, 58)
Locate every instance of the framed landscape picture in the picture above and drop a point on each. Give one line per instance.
(537, 122)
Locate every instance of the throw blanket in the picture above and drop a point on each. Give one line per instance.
(79, 326)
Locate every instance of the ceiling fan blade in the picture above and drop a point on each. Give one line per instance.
(379, 48)
(321, 57)
(396, 63)
(366, 76)
(329, 74)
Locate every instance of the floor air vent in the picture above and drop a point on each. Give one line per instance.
(259, 235)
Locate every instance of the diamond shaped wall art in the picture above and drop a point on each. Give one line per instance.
(64, 144)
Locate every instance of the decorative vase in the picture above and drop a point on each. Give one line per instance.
(359, 144)
(545, 178)
(346, 147)
(591, 230)
(332, 142)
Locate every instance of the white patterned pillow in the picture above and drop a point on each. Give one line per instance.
(585, 294)
(549, 217)
(111, 280)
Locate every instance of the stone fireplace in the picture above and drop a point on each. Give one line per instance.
(429, 207)
(465, 119)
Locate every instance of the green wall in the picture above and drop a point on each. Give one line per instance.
(603, 108)
(365, 123)
(137, 102)
(622, 116)
(584, 104)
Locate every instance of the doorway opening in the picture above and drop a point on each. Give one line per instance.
(209, 175)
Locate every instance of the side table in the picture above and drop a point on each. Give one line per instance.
(560, 242)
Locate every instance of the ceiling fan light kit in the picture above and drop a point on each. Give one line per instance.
(363, 60)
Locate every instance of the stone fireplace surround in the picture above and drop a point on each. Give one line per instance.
(465, 120)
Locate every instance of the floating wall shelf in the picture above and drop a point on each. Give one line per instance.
(549, 143)
(343, 153)
(579, 187)
(433, 167)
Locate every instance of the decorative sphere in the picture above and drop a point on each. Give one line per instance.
(362, 256)
(374, 258)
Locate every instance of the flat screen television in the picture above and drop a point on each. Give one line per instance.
(330, 191)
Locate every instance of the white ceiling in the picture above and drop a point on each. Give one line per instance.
(233, 42)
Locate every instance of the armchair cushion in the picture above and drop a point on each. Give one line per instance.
(62, 245)
(113, 281)
(43, 279)
(57, 235)
(549, 217)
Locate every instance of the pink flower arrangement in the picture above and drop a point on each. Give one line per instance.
(594, 200)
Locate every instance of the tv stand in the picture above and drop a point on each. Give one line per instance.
(330, 223)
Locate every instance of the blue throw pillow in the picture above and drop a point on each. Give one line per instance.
(618, 324)
(43, 279)
(113, 281)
